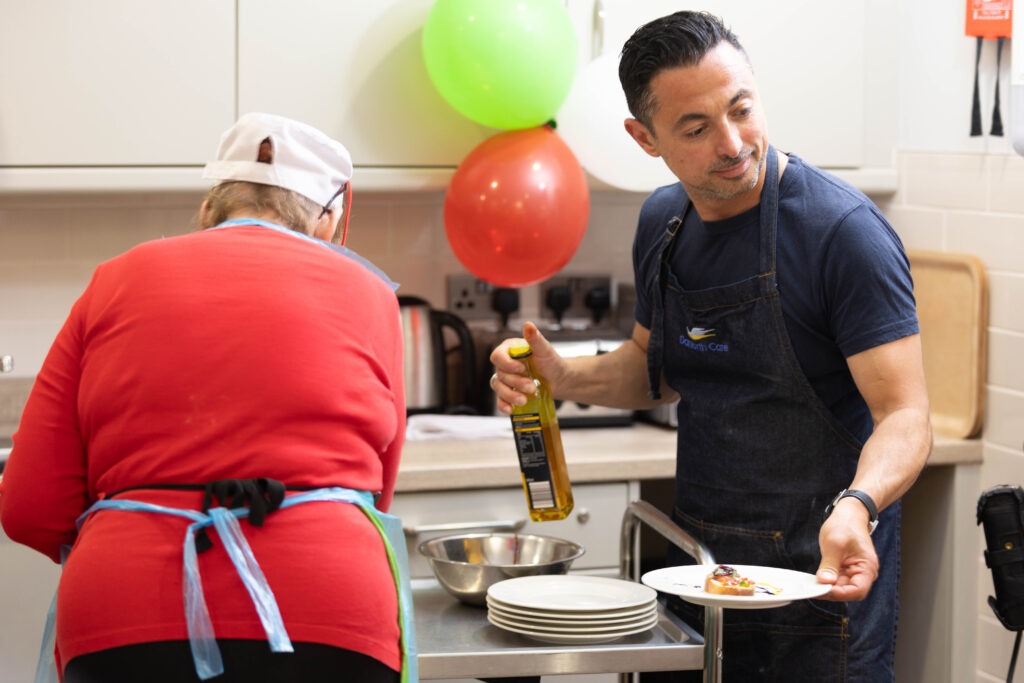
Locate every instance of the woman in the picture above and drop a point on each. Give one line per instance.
(249, 365)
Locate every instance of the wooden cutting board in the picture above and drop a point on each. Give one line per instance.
(952, 306)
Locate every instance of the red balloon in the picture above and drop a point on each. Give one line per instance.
(517, 207)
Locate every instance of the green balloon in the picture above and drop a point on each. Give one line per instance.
(507, 64)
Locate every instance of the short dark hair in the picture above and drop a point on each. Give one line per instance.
(680, 39)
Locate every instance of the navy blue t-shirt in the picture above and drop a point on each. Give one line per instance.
(843, 276)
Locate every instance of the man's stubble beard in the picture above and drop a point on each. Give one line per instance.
(716, 192)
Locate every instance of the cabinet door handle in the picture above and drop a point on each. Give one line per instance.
(497, 525)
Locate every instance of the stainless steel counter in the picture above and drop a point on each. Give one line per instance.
(456, 641)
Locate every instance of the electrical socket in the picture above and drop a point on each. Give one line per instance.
(578, 286)
(470, 298)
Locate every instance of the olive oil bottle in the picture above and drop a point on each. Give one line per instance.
(539, 444)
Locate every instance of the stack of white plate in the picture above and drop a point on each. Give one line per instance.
(565, 608)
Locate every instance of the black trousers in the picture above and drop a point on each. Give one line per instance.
(245, 661)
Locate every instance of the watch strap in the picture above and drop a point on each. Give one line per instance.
(863, 498)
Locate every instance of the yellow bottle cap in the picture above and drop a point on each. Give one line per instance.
(521, 351)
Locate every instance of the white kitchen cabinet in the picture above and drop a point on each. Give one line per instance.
(114, 82)
(123, 95)
(355, 70)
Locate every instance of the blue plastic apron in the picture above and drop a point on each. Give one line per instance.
(759, 457)
(225, 521)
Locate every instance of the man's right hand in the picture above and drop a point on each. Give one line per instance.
(510, 383)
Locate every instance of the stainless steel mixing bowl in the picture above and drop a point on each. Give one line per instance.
(467, 564)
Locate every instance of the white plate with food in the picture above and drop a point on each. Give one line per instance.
(570, 593)
(738, 586)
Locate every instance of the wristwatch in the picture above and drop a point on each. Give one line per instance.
(862, 497)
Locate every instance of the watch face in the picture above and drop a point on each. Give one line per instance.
(832, 505)
(863, 498)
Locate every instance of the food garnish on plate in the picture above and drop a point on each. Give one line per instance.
(726, 580)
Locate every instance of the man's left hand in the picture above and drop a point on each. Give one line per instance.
(848, 558)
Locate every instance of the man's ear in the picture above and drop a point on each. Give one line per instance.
(643, 136)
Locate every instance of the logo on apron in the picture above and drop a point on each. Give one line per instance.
(694, 340)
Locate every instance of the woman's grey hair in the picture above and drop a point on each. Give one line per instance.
(292, 209)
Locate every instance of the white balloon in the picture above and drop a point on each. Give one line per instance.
(590, 122)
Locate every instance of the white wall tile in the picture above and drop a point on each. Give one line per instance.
(949, 181)
(101, 233)
(1005, 369)
(46, 289)
(28, 342)
(34, 235)
(997, 239)
(1004, 419)
(1006, 178)
(1006, 292)
(918, 228)
(1003, 464)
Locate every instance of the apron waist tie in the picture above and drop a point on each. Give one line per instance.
(224, 520)
(262, 496)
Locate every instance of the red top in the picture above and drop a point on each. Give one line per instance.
(236, 352)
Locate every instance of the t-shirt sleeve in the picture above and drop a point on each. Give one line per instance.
(867, 283)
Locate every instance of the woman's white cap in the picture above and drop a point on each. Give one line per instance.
(302, 159)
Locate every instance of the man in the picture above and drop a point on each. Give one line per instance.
(775, 302)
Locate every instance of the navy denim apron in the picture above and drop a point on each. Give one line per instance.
(759, 457)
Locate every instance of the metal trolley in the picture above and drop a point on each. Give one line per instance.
(457, 641)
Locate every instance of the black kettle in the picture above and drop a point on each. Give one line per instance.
(427, 387)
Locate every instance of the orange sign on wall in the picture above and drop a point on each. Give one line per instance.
(989, 18)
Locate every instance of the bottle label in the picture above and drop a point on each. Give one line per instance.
(533, 460)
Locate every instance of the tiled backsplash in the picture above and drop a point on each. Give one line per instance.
(51, 244)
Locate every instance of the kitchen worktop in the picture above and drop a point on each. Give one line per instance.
(636, 452)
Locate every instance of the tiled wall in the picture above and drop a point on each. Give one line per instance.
(948, 202)
(49, 246)
(973, 203)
